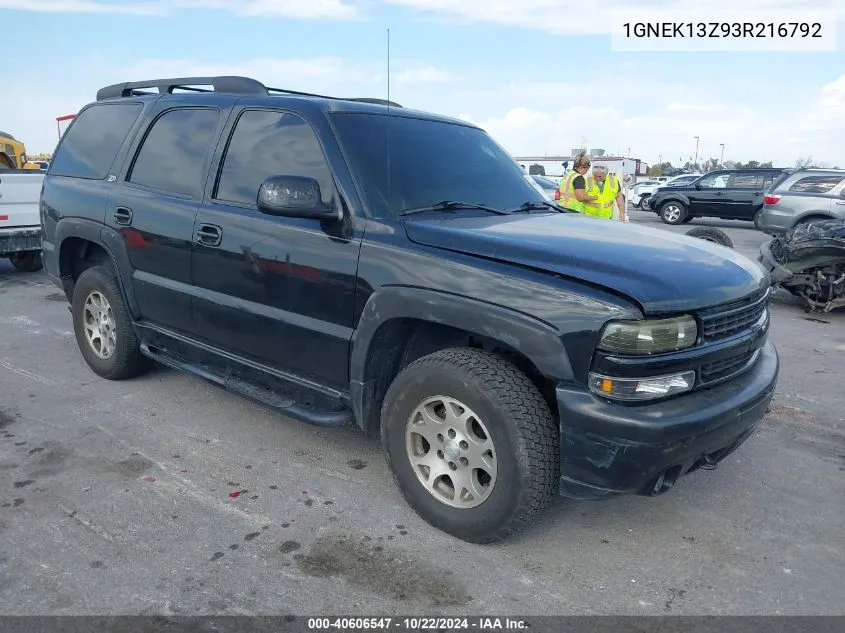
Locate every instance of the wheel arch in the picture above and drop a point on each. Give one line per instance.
(82, 244)
(399, 325)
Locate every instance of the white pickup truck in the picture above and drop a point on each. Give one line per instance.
(20, 222)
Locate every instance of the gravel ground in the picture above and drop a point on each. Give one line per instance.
(115, 498)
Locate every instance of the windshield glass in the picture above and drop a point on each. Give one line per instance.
(430, 161)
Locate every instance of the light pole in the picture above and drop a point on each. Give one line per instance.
(722, 157)
(660, 164)
(695, 162)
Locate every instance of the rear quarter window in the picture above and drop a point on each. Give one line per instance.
(816, 184)
(93, 139)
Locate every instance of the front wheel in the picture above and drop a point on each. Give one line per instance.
(673, 213)
(471, 443)
(27, 262)
(643, 203)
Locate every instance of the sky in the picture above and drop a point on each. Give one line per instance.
(541, 76)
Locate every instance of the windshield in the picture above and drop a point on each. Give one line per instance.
(430, 162)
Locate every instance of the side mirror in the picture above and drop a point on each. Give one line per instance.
(698, 187)
(295, 197)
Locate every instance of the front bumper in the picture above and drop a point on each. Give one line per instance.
(20, 239)
(610, 449)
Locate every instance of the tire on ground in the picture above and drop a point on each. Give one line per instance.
(667, 209)
(27, 262)
(126, 361)
(643, 203)
(524, 433)
(711, 234)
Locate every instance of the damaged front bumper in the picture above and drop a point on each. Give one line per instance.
(610, 449)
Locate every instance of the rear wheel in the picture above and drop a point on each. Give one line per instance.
(27, 262)
(103, 326)
(673, 212)
(643, 203)
(471, 443)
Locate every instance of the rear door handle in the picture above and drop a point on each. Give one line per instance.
(841, 204)
(123, 215)
(209, 235)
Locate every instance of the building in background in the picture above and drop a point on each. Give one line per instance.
(552, 166)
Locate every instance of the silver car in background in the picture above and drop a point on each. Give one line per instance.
(800, 196)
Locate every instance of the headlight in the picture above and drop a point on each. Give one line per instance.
(651, 336)
(637, 389)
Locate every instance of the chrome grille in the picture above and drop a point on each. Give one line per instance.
(735, 317)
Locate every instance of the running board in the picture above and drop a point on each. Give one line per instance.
(233, 384)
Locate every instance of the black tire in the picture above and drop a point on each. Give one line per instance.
(711, 234)
(523, 430)
(673, 212)
(126, 361)
(643, 203)
(27, 262)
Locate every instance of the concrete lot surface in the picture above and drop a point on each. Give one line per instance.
(115, 499)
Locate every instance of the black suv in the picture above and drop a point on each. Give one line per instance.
(730, 194)
(353, 262)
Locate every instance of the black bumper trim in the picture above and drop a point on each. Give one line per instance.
(609, 449)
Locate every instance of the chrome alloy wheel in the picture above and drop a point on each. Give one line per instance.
(100, 326)
(672, 213)
(451, 452)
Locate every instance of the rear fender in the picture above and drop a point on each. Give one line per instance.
(110, 241)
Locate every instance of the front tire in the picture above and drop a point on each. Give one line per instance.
(103, 326)
(471, 443)
(673, 213)
(27, 261)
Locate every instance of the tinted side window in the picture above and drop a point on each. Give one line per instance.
(93, 139)
(267, 143)
(747, 181)
(714, 181)
(172, 156)
(816, 184)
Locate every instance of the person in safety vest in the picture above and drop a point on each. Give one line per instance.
(573, 193)
(604, 189)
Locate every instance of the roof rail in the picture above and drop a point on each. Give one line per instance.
(225, 84)
(228, 84)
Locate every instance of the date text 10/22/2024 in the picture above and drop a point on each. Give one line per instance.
(481, 624)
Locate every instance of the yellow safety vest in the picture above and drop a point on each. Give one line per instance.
(603, 207)
(567, 193)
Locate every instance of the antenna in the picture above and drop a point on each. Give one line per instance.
(388, 117)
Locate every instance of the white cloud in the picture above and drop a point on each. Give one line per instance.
(576, 17)
(296, 9)
(424, 75)
(676, 106)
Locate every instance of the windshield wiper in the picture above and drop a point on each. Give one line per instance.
(540, 205)
(450, 205)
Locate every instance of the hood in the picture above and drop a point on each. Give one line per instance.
(662, 271)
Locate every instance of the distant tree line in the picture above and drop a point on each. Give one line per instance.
(712, 164)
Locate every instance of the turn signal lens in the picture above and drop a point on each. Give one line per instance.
(637, 389)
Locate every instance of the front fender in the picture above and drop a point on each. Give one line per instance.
(540, 342)
(537, 340)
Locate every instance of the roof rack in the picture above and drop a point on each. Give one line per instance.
(228, 84)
